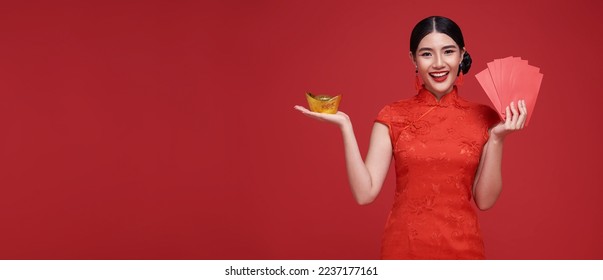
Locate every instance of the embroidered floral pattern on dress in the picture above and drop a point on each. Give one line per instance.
(437, 146)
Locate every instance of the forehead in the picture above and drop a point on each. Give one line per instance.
(436, 40)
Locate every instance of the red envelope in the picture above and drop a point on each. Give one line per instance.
(509, 80)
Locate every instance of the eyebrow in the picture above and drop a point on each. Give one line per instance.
(444, 48)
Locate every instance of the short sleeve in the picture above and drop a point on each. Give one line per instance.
(385, 116)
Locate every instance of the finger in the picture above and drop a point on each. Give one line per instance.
(300, 108)
(522, 118)
(524, 107)
(523, 111)
(515, 115)
(308, 113)
(507, 117)
(524, 114)
(520, 106)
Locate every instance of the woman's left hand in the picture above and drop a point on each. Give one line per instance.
(515, 120)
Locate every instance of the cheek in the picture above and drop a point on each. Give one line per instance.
(423, 73)
(423, 66)
(423, 70)
(454, 61)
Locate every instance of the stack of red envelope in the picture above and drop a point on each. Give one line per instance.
(511, 79)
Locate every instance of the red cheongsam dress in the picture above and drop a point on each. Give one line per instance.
(437, 147)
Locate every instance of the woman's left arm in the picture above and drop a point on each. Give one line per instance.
(488, 179)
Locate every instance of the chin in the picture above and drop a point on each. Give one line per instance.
(440, 88)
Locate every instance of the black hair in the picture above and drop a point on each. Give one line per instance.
(441, 25)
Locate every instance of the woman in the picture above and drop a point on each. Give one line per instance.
(446, 150)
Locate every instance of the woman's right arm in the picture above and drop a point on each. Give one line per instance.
(366, 177)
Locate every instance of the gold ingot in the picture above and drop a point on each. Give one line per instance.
(323, 103)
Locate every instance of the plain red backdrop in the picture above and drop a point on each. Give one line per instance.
(166, 129)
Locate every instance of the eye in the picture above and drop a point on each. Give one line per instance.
(425, 54)
(449, 51)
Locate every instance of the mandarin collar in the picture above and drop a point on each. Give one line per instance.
(424, 96)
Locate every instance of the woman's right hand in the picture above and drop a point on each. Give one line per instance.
(340, 118)
(366, 178)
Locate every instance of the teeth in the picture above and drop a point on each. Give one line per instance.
(437, 75)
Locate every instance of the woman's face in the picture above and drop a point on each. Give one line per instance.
(437, 59)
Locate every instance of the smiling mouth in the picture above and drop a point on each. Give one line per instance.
(439, 76)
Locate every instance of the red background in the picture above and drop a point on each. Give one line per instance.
(166, 129)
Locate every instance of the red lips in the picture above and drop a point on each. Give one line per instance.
(439, 76)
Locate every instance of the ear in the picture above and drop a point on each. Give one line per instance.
(412, 59)
(463, 52)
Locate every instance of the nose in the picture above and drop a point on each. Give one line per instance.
(438, 62)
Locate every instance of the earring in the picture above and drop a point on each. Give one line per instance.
(459, 80)
(418, 84)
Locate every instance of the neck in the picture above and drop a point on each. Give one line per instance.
(439, 95)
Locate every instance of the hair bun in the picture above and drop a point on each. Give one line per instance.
(465, 63)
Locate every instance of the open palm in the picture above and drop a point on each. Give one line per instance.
(338, 118)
